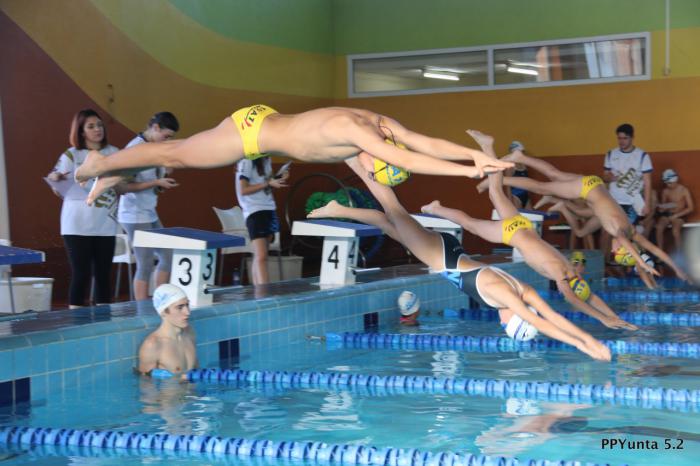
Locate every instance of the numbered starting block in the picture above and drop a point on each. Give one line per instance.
(439, 224)
(340, 247)
(537, 217)
(194, 257)
(13, 256)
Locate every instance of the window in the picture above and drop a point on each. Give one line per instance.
(576, 61)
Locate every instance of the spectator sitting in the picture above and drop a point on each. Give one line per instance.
(409, 305)
(676, 203)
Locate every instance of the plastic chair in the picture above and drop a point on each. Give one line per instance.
(233, 223)
(123, 254)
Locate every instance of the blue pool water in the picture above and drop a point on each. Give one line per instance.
(479, 425)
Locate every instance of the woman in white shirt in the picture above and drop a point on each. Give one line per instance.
(88, 231)
(254, 184)
(137, 206)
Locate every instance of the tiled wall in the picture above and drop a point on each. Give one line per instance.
(59, 359)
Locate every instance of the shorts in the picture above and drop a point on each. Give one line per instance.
(631, 213)
(248, 121)
(262, 224)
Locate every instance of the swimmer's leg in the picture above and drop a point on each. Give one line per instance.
(590, 226)
(486, 229)
(561, 189)
(216, 147)
(369, 216)
(424, 244)
(542, 166)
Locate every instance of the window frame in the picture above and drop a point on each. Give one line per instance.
(490, 52)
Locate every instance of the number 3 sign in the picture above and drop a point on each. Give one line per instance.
(193, 271)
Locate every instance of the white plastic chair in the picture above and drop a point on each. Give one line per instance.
(123, 254)
(233, 223)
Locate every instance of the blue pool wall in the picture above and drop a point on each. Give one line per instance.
(36, 364)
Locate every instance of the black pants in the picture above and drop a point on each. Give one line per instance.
(89, 255)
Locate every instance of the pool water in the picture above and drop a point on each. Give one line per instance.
(437, 422)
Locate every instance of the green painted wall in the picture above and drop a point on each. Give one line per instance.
(365, 26)
(296, 24)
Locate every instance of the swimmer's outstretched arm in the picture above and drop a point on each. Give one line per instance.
(591, 225)
(550, 323)
(660, 253)
(441, 148)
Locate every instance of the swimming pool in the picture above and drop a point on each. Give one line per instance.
(522, 426)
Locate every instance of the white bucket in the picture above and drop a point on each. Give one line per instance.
(30, 293)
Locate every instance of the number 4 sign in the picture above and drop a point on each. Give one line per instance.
(339, 260)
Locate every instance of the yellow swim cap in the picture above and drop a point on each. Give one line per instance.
(387, 174)
(623, 257)
(581, 288)
(577, 256)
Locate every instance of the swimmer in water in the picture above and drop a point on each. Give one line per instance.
(170, 349)
(523, 313)
(607, 212)
(321, 135)
(516, 230)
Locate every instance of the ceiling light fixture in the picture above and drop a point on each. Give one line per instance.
(445, 76)
(514, 69)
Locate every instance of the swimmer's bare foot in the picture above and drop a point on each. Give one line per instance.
(90, 168)
(484, 140)
(330, 210)
(430, 208)
(516, 156)
(102, 184)
(544, 200)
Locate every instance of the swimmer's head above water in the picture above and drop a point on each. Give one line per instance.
(172, 305)
(409, 306)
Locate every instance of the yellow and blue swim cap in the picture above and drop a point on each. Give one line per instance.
(581, 288)
(577, 257)
(389, 175)
(623, 257)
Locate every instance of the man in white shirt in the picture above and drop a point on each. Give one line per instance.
(628, 172)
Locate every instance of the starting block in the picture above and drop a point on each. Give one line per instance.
(340, 247)
(194, 257)
(439, 224)
(14, 256)
(537, 217)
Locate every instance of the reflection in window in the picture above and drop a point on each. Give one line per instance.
(570, 62)
(416, 72)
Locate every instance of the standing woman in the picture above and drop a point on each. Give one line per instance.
(254, 185)
(137, 205)
(88, 231)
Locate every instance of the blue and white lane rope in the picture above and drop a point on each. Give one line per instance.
(651, 296)
(312, 452)
(644, 397)
(493, 344)
(674, 319)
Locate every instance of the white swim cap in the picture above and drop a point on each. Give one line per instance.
(165, 295)
(647, 260)
(521, 330)
(516, 145)
(522, 407)
(669, 176)
(408, 303)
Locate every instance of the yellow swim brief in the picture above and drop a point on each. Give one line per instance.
(513, 224)
(248, 121)
(588, 183)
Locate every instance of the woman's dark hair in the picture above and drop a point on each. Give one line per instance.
(165, 120)
(259, 165)
(77, 135)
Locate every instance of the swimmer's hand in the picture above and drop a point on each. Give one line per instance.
(595, 349)
(617, 323)
(485, 164)
(166, 183)
(57, 176)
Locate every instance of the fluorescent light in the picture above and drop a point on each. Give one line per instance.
(445, 76)
(513, 69)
